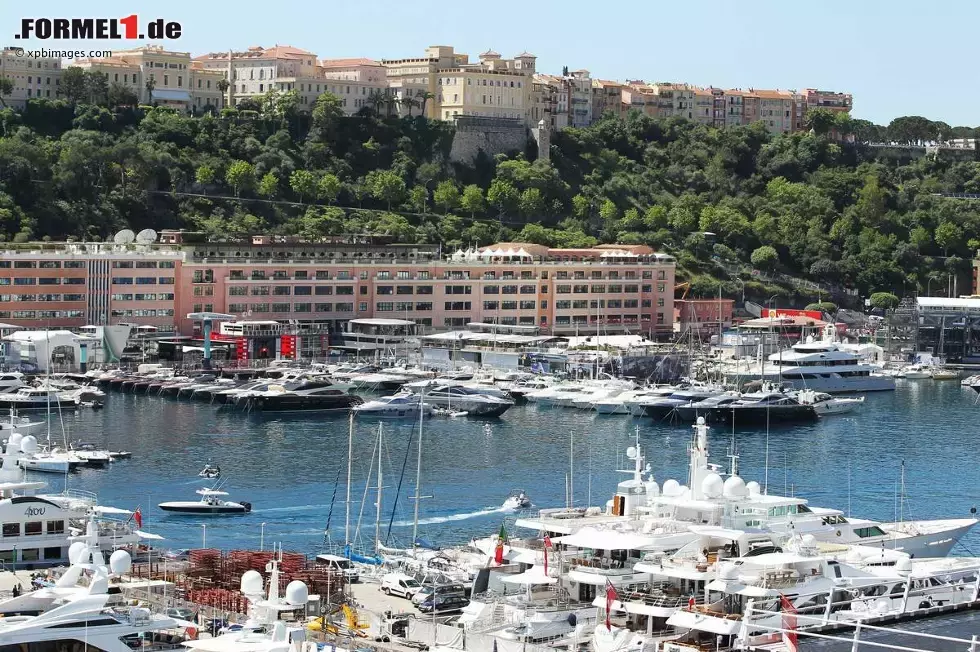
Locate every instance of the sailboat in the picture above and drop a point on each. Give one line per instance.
(348, 550)
(50, 459)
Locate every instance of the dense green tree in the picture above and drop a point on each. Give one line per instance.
(531, 203)
(240, 176)
(884, 300)
(765, 257)
(73, 86)
(472, 200)
(328, 188)
(503, 196)
(446, 196)
(269, 185)
(6, 88)
(303, 183)
(386, 186)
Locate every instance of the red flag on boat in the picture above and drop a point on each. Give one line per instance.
(547, 545)
(611, 596)
(138, 517)
(790, 638)
(498, 553)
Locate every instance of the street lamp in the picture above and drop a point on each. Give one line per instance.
(738, 280)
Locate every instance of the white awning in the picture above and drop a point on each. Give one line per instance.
(530, 577)
(596, 539)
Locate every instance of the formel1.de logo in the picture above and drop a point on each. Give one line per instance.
(113, 29)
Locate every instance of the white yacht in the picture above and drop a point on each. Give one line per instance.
(403, 405)
(11, 381)
(827, 404)
(21, 425)
(38, 398)
(38, 527)
(472, 400)
(824, 366)
(211, 503)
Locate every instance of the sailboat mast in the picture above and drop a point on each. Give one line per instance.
(350, 458)
(571, 469)
(418, 472)
(377, 521)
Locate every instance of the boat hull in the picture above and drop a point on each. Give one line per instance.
(205, 510)
(287, 403)
(748, 415)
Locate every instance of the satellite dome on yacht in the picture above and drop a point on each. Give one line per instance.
(712, 486)
(735, 487)
(671, 488)
(753, 488)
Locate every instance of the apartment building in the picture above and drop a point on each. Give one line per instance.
(31, 77)
(161, 77)
(73, 285)
(451, 86)
(607, 96)
(320, 287)
(257, 70)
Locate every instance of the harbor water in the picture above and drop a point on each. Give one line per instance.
(293, 469)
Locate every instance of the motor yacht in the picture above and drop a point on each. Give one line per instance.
(662, 409)
(89, 455)
(398, 406)
(768, 409)
(475, 402)
(827, 404)
(47, 459)
(824, 366)
(211, 503)
(916, 372)
(11, 381)
(38, 398)
(309, 396)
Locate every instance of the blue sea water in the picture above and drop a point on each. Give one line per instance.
(293, 469)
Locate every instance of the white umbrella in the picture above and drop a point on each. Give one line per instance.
(523, 254)
(510, 252)
(487, 253)
(499, 252)
(147, 535)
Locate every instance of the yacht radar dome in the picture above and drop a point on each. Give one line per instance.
(252, 583)
(297, 594)
(75, 552)
(713, 486)
(124, 237)
(28, 445)
(14, 441)
(700, 421)
(631, 452)
(671, 488)
(120, 562)
(754, 488)
(734, 487)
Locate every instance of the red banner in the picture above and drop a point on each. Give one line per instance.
(287, 348)
(241, 349)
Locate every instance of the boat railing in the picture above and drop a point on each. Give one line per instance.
(670, 600)
(88, 497)
(603, 566)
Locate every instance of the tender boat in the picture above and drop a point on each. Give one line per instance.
(517, 500)
(210, 471)
(90, 455)
(942, 373)
(211, 503)
(397, 406)
(916, 372)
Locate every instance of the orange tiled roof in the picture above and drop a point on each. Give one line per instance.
(343, 63)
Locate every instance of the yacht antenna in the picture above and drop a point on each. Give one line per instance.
(901, 497)
(733, 455)
(589, 501)
(350, 457)
(848, 488)
(571, 469)
(418, 474)
(377, 521)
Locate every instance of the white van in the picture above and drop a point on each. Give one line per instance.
(342, 565)
(400, 584)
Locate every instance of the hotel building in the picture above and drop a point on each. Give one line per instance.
(256, 71)
(32, 77)
(317, 288)
(177, 82)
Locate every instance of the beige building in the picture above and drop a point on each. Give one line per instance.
(451, 86)
(607, 96)
(31, 77)
(256, 71)
(175, 81)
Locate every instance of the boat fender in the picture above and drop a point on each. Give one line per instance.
(247, 506)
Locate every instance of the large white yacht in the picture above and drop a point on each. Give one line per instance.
(37, 527)
(824, 366)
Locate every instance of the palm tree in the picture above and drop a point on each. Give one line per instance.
(374, 100)
(424, 97)
(151, 83)
(409, 103)
(223, 86)
(390, 103)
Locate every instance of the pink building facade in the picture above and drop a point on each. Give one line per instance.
(618, 288)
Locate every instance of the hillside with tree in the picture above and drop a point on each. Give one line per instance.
(736, 206)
